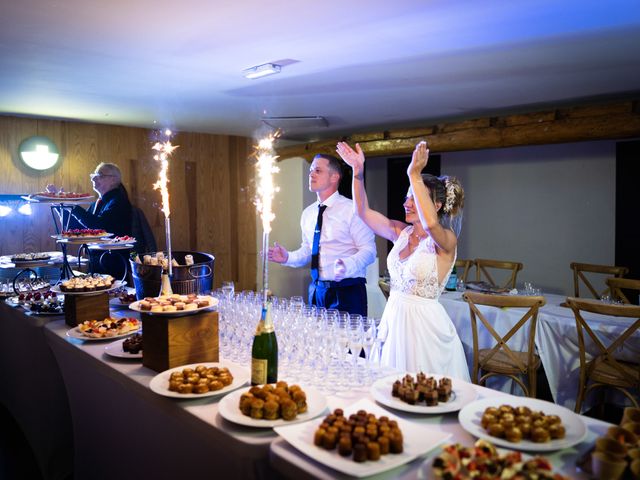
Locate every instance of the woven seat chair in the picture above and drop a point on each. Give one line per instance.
(604, 369)
(463, 268)
(618, 285)
(581, 269)
(482, 269)
(501, 360)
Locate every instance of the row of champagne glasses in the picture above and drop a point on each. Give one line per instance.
(331, 350)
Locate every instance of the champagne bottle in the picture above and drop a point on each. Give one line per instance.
(264, 353)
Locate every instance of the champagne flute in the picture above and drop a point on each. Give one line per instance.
(228, 289)
(355, 336)
(370, 333)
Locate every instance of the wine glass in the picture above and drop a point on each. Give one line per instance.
(369, 335)
(228, 289)
(355, 338)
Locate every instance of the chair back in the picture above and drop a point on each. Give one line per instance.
(617, 374)
(385, 287)
(617, 285)
(463, 268)
(141, 230)
(579, 270)
(530, 317)
(483, 265)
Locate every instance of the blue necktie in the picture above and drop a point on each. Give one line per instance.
(315, 249)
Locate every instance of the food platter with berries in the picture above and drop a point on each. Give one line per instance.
(417, 440)
(39, 303)
(108, 328)
(60, 196)
(81, 235)
(478, 417)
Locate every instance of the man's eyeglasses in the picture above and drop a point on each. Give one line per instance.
(99, 175)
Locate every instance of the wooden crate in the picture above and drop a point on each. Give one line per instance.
(173, 341)
(79, 308)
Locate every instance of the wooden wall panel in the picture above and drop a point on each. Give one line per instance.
(215, 218)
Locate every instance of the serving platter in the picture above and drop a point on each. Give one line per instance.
(114, 349)
(463, 393)
(471, 415)
(76, 333)
(160, 383)
(116, 284)
(419, 439)
(229, 410)
(135, 306)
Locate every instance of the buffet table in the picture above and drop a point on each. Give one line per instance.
(33, 390)
(121, 429)
(556, 340)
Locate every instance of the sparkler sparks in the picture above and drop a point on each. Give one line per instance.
(265, 168)
(266, 188)
(165, 149)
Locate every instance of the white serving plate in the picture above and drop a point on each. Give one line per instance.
(135, 306)
(114, 286)
(160, 383)
(418, 440)
(76, 333)
(463, 393)
(471, 415)
(229, 410)
(114, 349)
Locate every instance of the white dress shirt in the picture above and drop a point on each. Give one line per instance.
(344, 236)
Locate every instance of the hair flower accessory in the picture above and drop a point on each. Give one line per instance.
(450, 196)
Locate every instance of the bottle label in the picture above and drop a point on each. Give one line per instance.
(258, 371)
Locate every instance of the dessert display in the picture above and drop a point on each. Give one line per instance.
(361, 436)
(127, 298)
(484, 461)
(123, 239)
(422, 390)
(133, 344)
(201, 379)
(45, 302)
(273, 401)
(174, 303)
(30, 257)
(61, 195)
(617, 453)
(517, 423)
(109, 327)
(83, 232)
(87, 283)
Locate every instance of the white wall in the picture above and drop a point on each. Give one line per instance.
(544, 206)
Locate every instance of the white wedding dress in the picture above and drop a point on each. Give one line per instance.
(418, 334)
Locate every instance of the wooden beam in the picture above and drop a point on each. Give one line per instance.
(575, 124)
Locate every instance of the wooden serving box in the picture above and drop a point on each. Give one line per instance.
(79, 308)
(173, 341)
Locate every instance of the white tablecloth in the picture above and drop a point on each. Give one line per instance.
(556, 341)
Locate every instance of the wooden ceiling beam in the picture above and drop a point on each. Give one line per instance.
(582, 123)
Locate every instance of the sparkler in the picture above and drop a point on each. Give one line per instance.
(165, 149)
(265, 168)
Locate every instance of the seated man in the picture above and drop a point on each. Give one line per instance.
(111, 212)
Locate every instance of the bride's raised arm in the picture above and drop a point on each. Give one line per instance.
(427, 209)
(381, 225)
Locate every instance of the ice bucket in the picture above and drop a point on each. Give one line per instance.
(196, 278)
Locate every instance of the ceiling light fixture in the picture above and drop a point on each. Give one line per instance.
(262, 70)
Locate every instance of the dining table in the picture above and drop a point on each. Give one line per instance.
(95, 415)
(556, 341)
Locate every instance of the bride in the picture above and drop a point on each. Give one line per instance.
(416, 330)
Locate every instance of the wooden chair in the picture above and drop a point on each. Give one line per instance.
(617, 285)
(579, 270)
(483, 264)
(604, 370)
(385, 287)
(463, 268)
(501, 360)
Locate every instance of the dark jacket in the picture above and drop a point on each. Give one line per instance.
(113, 214)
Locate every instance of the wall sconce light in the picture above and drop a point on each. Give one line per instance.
(39, 153)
